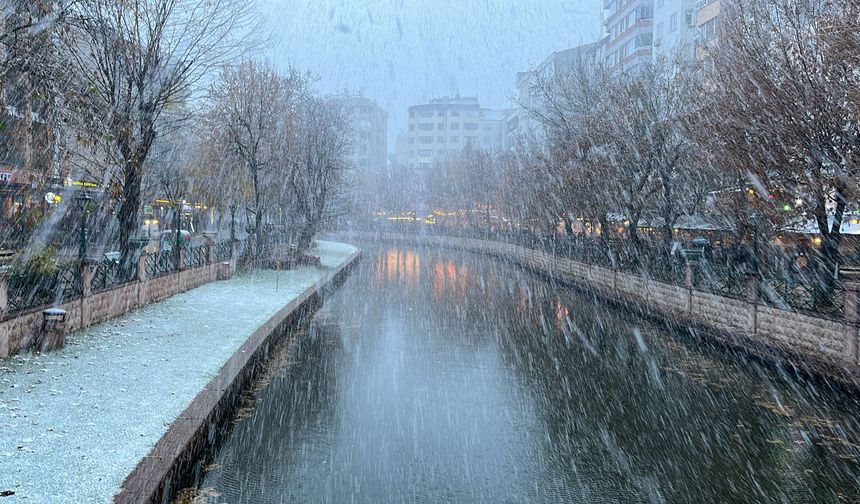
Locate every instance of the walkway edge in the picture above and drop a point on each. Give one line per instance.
(175, 460)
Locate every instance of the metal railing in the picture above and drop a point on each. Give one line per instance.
(196, 256)
(109, 273)
(160, 263)
(28, 290)
(720, 273)
(222, 251)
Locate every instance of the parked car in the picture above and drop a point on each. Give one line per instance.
(167, 238)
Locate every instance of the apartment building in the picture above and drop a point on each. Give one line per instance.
(708, 17)
(629, 28)
(675, 29)
(520, 121)
(445, 126)
(368, 124)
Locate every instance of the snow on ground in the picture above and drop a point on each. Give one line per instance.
(74, 423)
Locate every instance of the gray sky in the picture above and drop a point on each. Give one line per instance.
(404, 52)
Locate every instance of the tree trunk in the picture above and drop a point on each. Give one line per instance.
(128, 210)
(829, 259)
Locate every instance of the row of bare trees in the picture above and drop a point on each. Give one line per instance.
(267, 143)
(124, 93)
(762, 130)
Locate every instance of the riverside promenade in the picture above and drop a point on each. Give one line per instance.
(74, 423)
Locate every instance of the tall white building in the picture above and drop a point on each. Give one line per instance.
(675, 30)
(629, 28)
(519, 121)
(368, 124)
(445, 126)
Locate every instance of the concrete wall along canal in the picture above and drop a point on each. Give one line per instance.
(818, 345)
(176, 459)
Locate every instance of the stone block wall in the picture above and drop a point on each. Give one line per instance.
(820, 344)
(18, 331)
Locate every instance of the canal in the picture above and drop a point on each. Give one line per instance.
(439, 376)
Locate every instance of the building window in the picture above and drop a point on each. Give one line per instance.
(440, 139)
(673, 22)
(425, 139)
(471, 113)
(425, 126)
(424, 166)
(708, 30)
(455, 139)
(412, 153)
(411, 113)
(455, 112)
(411, 140)
(426, 113)
(642, 40)
(425, 152)
(441, 113)
(440, 152)
(440, 126)
(470, 126)
(455, 126)
(488, 129)
(411, 127)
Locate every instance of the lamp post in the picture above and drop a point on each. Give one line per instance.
(177, 222)
(755, 223)
(83, 199)
(232, 222)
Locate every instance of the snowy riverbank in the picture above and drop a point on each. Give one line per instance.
(74, 423)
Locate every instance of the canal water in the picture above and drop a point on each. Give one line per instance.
(440, 376)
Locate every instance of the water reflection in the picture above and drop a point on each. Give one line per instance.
(475, 382)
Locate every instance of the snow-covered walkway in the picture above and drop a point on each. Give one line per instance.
(74, 423)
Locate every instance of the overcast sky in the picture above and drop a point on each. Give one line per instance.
(405, 52)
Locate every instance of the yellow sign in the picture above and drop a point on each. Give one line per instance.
(81, 183)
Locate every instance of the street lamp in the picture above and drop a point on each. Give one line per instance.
(755, 222)
(83, 199)
(232, 222)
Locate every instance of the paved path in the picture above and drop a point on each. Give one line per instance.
(74, 423)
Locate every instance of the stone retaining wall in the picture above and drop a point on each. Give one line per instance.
(18, 331)
(176, 459)
(818, 345)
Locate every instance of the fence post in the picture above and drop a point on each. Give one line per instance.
(688, 283)
(86, 279)
(752, 299)
(852, 313)
(141, 266)
(181, 265)
(4, 292)
(141, 278)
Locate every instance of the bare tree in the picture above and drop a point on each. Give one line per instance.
(317, 165)
(252, 127)
(134, 59)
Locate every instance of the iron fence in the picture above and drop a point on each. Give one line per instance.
(223, 251)
(726, 276)
(27, 290)
(196, 256)
(160, 263)
(109, 273)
